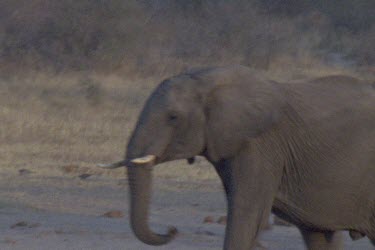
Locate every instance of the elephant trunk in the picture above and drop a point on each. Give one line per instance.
(140, 179)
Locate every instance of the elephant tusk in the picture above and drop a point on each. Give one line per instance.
(113, 165)
(144, 159)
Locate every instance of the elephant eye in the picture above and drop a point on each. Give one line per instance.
(172, 117)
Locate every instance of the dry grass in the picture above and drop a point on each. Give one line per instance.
(55, 125)
(52, 121)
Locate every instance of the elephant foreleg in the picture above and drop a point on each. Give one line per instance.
(250, 192)
(329, 240)
(243, 227)
(224, 171)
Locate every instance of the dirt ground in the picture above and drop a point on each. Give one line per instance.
(66, 212)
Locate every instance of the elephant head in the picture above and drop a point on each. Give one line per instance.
(209, 112)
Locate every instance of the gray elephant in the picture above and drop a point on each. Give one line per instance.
(303, 151)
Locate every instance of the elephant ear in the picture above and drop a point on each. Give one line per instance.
(236, 114)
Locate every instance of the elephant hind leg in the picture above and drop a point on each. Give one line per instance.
(372, 238)
(371, 234)
(326, 240)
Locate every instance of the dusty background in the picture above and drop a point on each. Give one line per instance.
(74, 75)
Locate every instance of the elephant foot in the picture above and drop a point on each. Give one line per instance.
(355, 235)
(372, 239)
(329, 240)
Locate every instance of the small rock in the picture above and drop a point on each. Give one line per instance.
(84, 176)
(25, 224)
(9, 241)
(24, 171)
(33, 225)
(208, 219)
(69, 168)
(222, 220)
(20, 224)
(205, 232)
(113, 214)
(209, 233)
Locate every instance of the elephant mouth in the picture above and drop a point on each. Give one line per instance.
(191, 160)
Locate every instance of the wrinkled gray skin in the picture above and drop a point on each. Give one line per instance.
(304, 151)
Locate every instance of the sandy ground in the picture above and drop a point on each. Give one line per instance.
(65, 212)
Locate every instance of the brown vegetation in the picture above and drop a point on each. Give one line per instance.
(160, 37)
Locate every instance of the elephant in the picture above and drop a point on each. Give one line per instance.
(303, 150)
